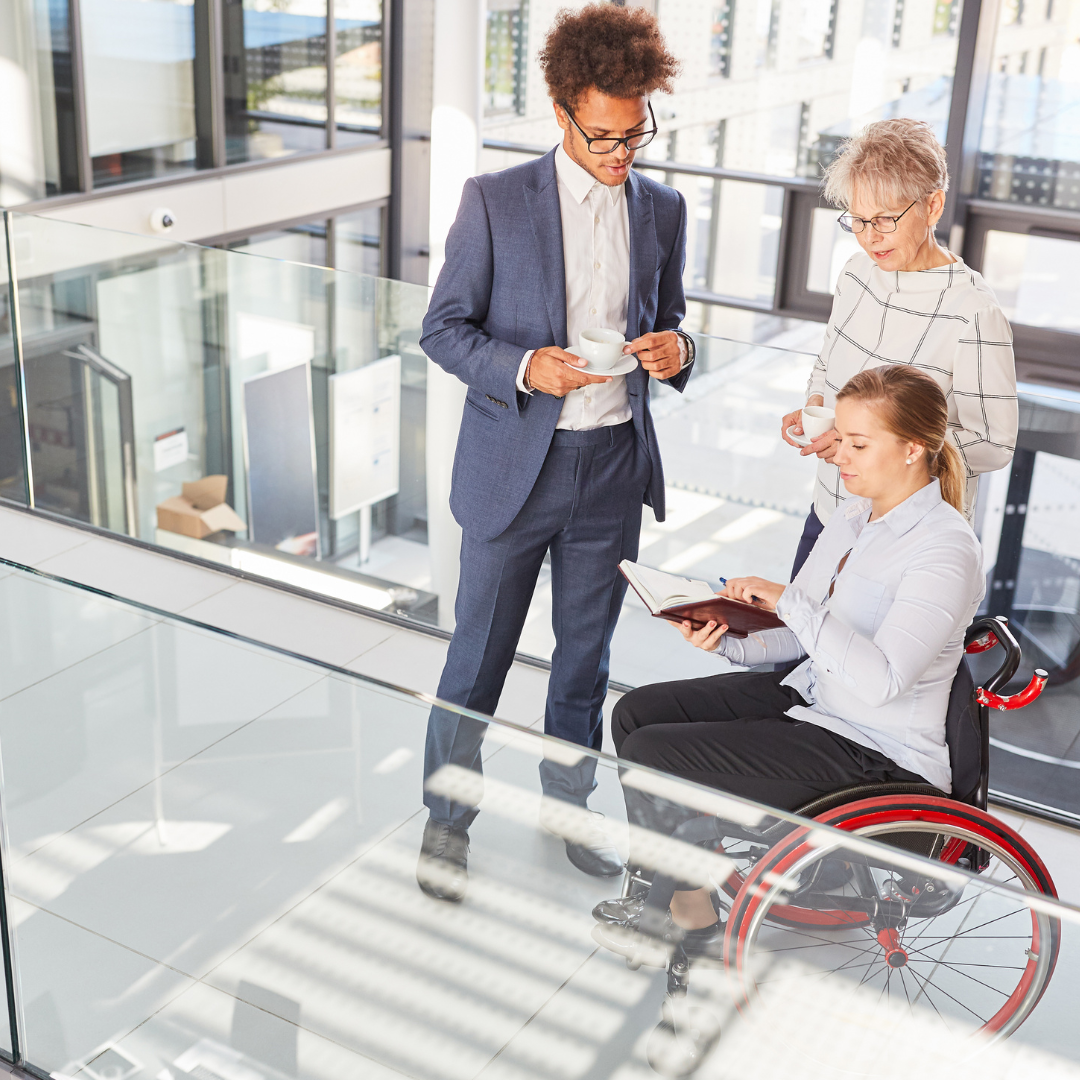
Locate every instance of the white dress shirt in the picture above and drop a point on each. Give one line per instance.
(945, 321)
(882, 651)
(596, 262)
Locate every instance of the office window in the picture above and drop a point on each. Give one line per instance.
(505, 59)
(33, 53)
(358, 241)
(305, 243)
(767, 26)
(139, 59)
(946, 16)
(1034, 278)
(1029, 151)
(275, 77)
(720, 42)
(897, 23)
(817, 28)
(351, 241)
(357, 70)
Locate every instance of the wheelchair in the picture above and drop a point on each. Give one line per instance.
(981, 956)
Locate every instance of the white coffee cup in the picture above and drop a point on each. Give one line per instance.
(816, 420)
(602, 348)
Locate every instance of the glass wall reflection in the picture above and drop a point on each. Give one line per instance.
(275, 82)
(37, 103)
(139, 58)
(358, 70)
(1029, 152)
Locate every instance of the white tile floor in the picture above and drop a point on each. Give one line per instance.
(212, 850)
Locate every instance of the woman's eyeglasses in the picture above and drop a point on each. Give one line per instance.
(609, 146)
(883, 223)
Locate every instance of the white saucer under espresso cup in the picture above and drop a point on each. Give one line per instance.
(816, 420)
(602, 348)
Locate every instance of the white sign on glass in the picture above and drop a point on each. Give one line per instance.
(170, 449)
(365, 435)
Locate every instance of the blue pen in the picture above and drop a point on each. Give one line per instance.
(756, 599)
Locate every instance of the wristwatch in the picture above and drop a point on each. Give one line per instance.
(691, 348)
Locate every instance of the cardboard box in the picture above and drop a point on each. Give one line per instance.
(200, 510)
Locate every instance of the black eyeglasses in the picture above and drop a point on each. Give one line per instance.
(609, 146)
(885, 223)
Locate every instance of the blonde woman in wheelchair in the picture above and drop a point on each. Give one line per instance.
(875, 625)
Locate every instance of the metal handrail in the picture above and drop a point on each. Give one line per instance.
(716, 172)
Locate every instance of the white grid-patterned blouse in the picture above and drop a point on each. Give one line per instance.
(945, 321)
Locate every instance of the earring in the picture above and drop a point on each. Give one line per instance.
(911, 461)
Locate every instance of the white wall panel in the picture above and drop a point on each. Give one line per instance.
(246, 199)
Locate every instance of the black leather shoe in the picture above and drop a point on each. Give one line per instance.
(623, 911)
(590, 848)
(597, 861)
(442, 871)
(707, 944)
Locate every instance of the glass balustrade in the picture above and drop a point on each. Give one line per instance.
(152, 367)
(210, 857)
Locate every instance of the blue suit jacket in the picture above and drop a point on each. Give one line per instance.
(501, 292)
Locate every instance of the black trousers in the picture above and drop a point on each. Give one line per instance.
(729, 732)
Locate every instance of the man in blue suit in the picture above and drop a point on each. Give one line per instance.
(551, 458)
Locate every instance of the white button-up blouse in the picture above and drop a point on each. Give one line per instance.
(882, 651)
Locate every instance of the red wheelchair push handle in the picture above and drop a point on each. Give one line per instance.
(984, 643)
(1013, 701)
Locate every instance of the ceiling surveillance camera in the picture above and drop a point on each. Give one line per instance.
(162, 220)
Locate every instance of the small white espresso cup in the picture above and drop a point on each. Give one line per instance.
(816, 420)
(602, 348)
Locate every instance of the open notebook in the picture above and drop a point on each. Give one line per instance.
(678, 599)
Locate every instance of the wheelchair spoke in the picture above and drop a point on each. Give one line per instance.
(942, 990)
(903, 983)
(962, 944)
(972, 929)
(810, 974)
(813, 937)
(924, 991)
(817, 945)
(956, 967)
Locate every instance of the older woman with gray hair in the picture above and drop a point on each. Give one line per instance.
(905, 299)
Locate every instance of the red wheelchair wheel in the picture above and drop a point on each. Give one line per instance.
(952, 947)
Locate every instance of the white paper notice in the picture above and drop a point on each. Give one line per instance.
(170, 449)
(365, 433)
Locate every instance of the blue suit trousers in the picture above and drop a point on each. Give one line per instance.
(585, 508)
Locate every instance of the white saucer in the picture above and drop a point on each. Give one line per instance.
(623, 367)
(802, 440)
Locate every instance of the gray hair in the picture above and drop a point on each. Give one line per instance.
(896, 161)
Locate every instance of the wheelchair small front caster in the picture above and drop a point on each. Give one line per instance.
(683, 1039)
(678, 974)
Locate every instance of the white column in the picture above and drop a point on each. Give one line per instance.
(456, 133)
(457, 112)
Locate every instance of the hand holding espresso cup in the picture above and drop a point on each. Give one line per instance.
(817, 421)
(601, 348)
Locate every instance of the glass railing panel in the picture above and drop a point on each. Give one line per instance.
(12, 442)
(211, 866)
(1028, 524)
(153, 365)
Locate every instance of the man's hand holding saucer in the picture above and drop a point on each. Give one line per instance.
(660, 354)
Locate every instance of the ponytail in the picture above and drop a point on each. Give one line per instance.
(912, 406)
(949, 469)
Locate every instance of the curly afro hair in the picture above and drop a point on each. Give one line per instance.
(618, 50)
